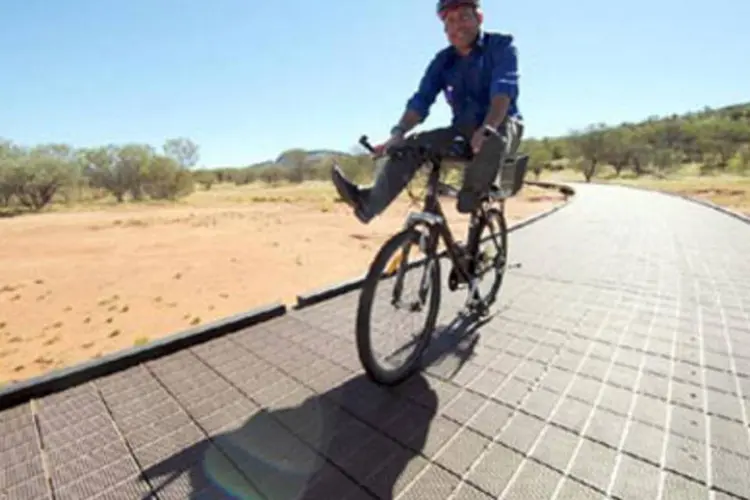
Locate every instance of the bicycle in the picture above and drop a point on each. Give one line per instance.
(424, 229)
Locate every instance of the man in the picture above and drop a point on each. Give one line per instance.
(478, 73)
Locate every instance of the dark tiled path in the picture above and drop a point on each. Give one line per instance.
(618, 365)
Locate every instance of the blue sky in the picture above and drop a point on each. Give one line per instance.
(247, 79)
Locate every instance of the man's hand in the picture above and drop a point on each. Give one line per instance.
(495, 117)
(395, 139)
(481, 135)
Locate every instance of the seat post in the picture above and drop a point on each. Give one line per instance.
(432, 185)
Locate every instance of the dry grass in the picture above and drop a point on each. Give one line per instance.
(83, 281)
(730, 191)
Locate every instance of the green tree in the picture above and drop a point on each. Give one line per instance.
(10, 154)
(165, 179)
(540, 153)
(295, 160)
(39, 174)
(740, 162)
(206, 178)
(102, 167)
(133, 161)
(184, 151)
(591, 146)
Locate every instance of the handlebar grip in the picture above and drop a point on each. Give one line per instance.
(366, 144)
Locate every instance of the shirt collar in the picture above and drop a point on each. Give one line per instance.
(478, 43)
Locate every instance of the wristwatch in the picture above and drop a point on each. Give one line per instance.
(489, 130)
(398, 129)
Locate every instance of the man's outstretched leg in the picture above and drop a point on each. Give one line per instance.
(369, 202)
(483, 170)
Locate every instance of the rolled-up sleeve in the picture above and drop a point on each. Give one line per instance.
(505, 72)
(429, 86)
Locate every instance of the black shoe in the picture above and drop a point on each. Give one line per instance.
(349, 193)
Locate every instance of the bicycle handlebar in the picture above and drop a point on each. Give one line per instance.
(364, 142)
(445, 189)
(421, 150)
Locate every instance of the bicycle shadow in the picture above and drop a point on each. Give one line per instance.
(451, 345)
(454, 342)
(271, 454)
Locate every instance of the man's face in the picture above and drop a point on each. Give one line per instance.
(462, 26)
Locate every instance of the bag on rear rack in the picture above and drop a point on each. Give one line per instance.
(512, 174)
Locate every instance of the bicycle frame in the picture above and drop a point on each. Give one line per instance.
(432, 215)
(393, 257)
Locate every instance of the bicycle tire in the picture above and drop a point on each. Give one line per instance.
(499, 216)
(364, 310)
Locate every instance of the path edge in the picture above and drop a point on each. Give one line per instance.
(65, 378)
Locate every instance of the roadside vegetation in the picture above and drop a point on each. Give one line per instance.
(704, 153)
(159, 242)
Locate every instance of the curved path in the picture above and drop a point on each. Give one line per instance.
(618, 366)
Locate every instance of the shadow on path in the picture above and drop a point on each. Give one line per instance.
(263, 459)
(452, 345)
(322, 448)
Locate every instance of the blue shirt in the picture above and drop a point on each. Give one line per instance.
(469, 83)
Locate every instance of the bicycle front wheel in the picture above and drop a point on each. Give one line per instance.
(403, 281)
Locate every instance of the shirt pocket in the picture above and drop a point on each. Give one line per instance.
(453, 88)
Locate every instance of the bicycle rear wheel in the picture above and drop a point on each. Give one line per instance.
(390, 273)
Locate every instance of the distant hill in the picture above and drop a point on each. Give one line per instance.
(290, 157)
(715, 138)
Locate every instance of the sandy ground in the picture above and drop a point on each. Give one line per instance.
(77, 285)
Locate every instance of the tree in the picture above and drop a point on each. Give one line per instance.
(618, 147)
(740, 162)
(540, 155)
(40, 173)
(132, 164)
(165, 179)
(296, 161)
(184, 151)
(103, 169)
(590, 144)
(9, 157)
(206, 178)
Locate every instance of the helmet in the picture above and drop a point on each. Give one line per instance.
(443, 5)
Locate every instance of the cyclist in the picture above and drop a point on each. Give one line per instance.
(478, 74)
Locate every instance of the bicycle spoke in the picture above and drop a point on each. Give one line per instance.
(401, 260)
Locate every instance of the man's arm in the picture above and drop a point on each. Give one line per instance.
(498, 109)
(418, 106)
(504, 85)
(408, 121)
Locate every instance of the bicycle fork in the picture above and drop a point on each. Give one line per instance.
(426, 245)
